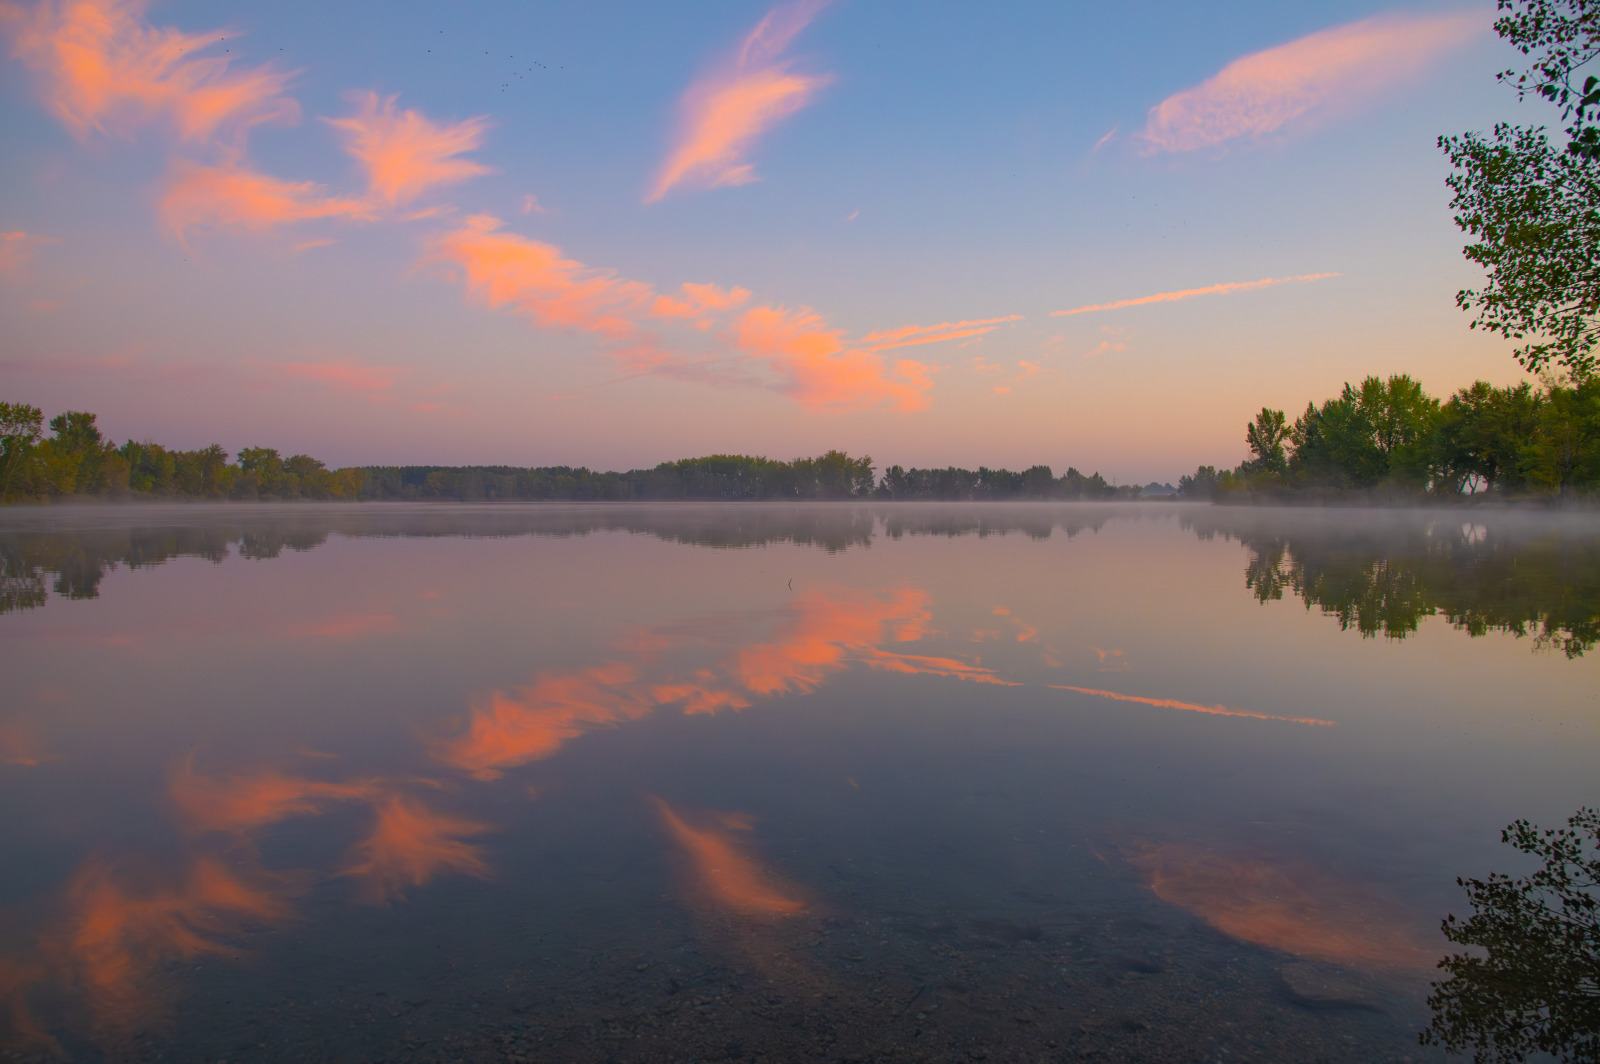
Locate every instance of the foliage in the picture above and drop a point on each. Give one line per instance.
(76, 461)
(1535, 985)
(20, 429)
(1533, 209)
(1266, 437)
(1390, 438)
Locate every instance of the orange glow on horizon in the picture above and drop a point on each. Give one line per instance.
(409, 845)
(1170, 703)
(728, 878)
(1285, 906)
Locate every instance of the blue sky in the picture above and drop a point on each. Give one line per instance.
(922, 164)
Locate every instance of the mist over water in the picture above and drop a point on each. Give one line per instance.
(1153, 782)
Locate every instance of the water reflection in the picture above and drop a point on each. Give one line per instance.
(722, 872)
(1192, 707)
(393, 746)
(123, 926)
(1375, 572)
(1383, 573)
(1288, 905)
(248, 802)
(410, 844)
(704, 665)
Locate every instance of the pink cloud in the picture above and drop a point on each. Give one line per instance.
(910, 335)
(347, 627)
(1273, 90)
(726, 111)
(404, 153)
(103, 69)
(819, 371)
(795, 352)
(698, 301)
(233, 197)
(503, 269)
(1190, 293)
(16, 248)
(344, 375)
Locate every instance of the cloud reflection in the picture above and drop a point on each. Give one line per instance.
(817, 636)
(722, 873)
(118, 935)
(1193, 707)
(1285, 905)
(246, 802)
(410, 844)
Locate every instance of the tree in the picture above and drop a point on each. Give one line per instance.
(1266, 437)
(1534, 209)
(21, 426)
(1535, 985)
(1481, 433)
(1202, 485)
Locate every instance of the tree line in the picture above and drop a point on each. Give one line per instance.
(75, 460)
(1390, 438)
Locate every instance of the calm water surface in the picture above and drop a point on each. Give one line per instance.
(766, 783)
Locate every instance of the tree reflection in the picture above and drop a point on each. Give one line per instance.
(1381, 575)
(1532, 984)
(79, 558)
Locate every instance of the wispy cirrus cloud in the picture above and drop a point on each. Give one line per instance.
(103, 69)
(1272, 91)
(405, 153)
(16, 248)
(726, 110)
(793, 351)
(233, 197)
(1190, 293)
(346, 375)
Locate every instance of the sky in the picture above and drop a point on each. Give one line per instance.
(614, 234)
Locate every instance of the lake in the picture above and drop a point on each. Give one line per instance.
(1153, 782)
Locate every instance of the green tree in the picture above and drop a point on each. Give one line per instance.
(73, 455)
(21, 426)
(1533, 209)
(1202, 485)
(1564, 452)
(1266, 437)
(1534, 983)
(1481, 434)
